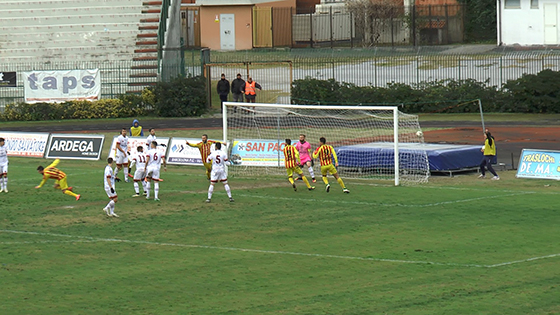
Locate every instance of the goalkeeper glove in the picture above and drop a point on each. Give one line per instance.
(117, 179)
(112, 190)
(163, 145)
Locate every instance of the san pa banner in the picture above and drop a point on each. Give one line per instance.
(75, 147)
(61, 86)
(8, 79)
(25, 144)
(257, 152)
(135, 142)
(181, 153)
(541, 164)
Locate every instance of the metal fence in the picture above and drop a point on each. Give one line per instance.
(276, 69)
(116, 76)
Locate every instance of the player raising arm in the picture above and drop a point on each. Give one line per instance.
(292, 161)
(140, 160)
(109, 180)
(204, 148)
(122, 154)
(218, 158)
(3, 166)
(153, 161)
(325, 153)
(59, 176)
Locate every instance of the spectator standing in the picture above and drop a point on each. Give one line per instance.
(250, 90)
(237, 86)
(223, 90)
(489, 151)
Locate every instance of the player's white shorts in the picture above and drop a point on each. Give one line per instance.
(153, 172)
(218, 175)
(139, 174)
(121, 158)
(4, 168)
(109, 193)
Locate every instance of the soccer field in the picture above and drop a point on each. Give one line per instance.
(453, 246)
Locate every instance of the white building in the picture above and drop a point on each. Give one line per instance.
(528, 22)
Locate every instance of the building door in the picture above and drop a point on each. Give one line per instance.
(262, 27)
(227, 31)
(550, 23)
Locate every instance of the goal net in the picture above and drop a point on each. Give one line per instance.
(371, 142)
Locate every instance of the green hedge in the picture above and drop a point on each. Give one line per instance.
(179, 98)
(529, 94)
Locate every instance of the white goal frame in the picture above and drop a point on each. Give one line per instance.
(394, 109)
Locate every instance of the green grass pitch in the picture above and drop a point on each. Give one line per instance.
(452, 246)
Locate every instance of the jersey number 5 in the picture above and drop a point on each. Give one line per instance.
(218, 160)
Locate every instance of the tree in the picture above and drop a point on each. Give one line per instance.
(480, 23)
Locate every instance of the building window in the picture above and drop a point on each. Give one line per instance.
(534, 4)
(512, 4)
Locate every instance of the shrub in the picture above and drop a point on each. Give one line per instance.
(181, 97)
(534, 93)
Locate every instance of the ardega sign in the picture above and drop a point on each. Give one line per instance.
(78, 147)
(61, 86)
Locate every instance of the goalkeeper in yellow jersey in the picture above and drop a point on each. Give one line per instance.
(60, 179)
(291, 158)
(326, 153)
(204, 148)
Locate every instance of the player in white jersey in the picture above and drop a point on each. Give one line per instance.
(140, 161)
(122, 154)
(154, 159)
(151, 138)
(218, 158)
(109, 180)
(3, 166)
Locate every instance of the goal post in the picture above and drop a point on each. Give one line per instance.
(371, 142)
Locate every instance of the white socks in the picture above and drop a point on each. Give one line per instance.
(116, 171)
(210, 191)
(228, 191)
(147, 190)
(111, 207)
(3, 183)
(310, 169)
(156, 189)
(126, 172)
(136, 189)
(144, 186)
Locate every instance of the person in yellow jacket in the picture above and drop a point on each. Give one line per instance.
(59, 176)
(489, 151)
(136, 129)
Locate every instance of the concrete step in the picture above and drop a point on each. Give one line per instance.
(147, 35)
(78, 20)
(144, 75)
(146, 43)
(64, 51)
(144, 58)
(47, 4)
(92, 35)
(148, 27)
(47, 12)
(144, 67)
(129, 42)
(59, 28)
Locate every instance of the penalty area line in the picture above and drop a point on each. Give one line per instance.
(85, 239)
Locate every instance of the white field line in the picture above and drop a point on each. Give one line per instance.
(384, 204)
(83, 239)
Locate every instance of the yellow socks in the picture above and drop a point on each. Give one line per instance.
(340, 182)
(69, 193)
(306, 182)
(325, 180)
(291, 179)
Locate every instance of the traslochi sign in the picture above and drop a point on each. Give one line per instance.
(72, 146)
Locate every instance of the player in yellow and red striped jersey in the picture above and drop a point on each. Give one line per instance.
(326, 153)
(292, 161)
(204, 148)
(59, 176)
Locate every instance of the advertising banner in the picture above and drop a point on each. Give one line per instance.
(182, 154)
(135, 142)
(61, 86)
(8, 79)
(541, 164)
(257, 152)
(25, 143)
(75, 146)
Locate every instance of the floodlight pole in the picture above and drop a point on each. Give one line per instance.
(481, 115)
